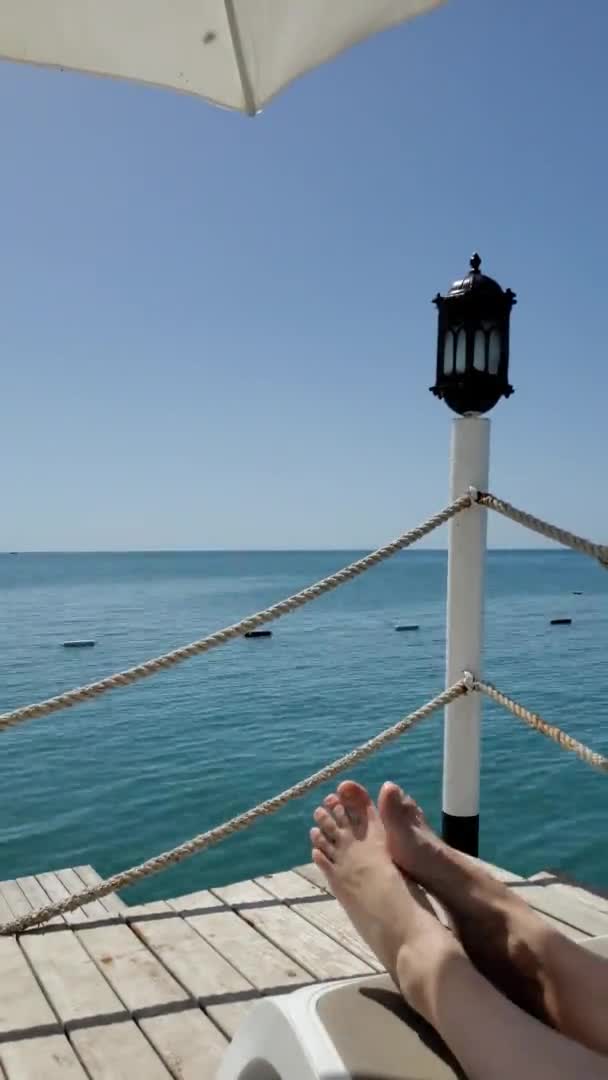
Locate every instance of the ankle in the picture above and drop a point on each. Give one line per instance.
(420, 968)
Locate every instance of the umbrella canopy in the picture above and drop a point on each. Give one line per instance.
(236, 53)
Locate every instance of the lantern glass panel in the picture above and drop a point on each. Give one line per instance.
(479, 352)
(461, 352)
(448, 353)
(494, 352)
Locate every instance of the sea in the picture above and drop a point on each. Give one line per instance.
(141, 769)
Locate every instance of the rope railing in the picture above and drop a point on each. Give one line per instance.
(544, 528)
(208, 839)
(467, 684)
(236, 824)
(533, 720)
(177, 656)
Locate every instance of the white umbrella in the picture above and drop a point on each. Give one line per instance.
(236, 53)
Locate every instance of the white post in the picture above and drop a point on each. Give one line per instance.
(470, 456)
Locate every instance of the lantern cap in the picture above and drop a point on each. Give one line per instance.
(476, 282)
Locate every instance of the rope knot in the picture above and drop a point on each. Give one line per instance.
(469, 681)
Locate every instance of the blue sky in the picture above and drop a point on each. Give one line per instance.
(217, 332)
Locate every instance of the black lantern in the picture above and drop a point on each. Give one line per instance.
(473, 343)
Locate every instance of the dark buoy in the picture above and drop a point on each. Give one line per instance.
(259, 633)
(78, 644)
(412, 626)
(561, 622)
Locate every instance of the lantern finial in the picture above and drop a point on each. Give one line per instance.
(475, 262)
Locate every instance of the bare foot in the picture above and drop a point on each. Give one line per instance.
(389, 911)
(413, 845)
(504, 938)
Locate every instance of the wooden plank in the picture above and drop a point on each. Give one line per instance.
(265, 966)
(48, 1058)
(56, 890)
(35, 894)
(231, 1015)
(564, 928)
(188, 1042)
(574, 890)
(15, 898)
(195, 902)
(153, 907)
(136, 975)
(23, 1006)
(288, 885)
(311, 873)
(194, 963)
(242, 892)
(74, 885)
(69, 977)
(554, 900)
(309, 946)
(6, 914)
(329, 917)
(117, 1052)
(112, 902)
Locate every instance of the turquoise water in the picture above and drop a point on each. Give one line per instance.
(116, 781)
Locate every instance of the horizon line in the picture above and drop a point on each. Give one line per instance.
(255, 550)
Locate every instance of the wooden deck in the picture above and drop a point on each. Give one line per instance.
(111, 992)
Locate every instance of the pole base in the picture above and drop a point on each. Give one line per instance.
(461, 833)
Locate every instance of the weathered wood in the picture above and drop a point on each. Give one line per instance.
(74, 885)
(70, 979)
(117, 1052)
(195, 902)
(573, 890)
(195, 964)
(311, 873)
(112, 903)
(230, 1016)
(37, 897)
(15, 898)
(23, 1006)
(311, 948)
(564, 928)
(136, 975)
(242, 892)
(553, 899)
(266, 967)
(48, 1058)
(56, 890)
(5, 911)
(188, 1042)
(288, 885)
(329, 917)
(153, 907)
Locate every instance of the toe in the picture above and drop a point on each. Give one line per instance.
(356, 802)
(324, 864)
(320, 843)
(331, 801)
(327, 823)
(334, 805)
(393, 803)
(354, 794)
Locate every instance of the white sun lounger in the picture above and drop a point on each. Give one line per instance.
(355, 1030)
